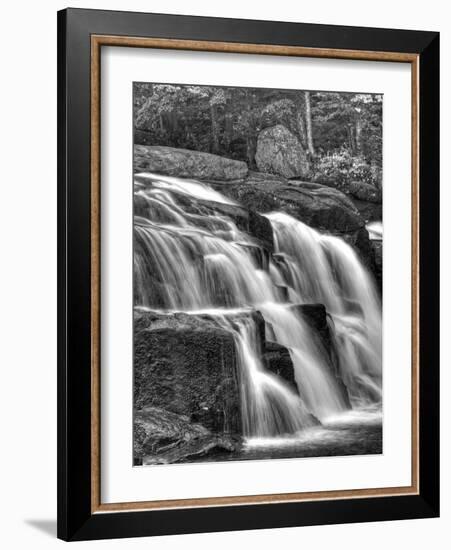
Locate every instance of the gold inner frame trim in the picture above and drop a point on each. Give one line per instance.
(97, 41)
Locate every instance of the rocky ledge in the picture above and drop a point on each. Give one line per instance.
(184, 163)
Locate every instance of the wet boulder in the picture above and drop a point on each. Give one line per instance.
(377, 250)
(186, 364)
(361, 242)
(319, 321)
(277, 359)
(260, 228)
(280, 152)
(163, 437)
(184, 163)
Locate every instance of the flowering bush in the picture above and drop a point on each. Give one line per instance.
(341, 168)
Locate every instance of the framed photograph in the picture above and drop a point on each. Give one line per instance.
(248, 274)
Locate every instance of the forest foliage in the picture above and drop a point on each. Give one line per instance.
(342, 132)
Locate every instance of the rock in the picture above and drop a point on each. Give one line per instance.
(361, 242)
(323, 207)
(281, 112)
(184, 163)
(317, 318)
(319, 206)
(364, 191)
(203, 448)
(378, 249)
(370, 211)
(259, 255)
(280, 152)
(277, 359)
(316, 205)
(154, 429)
(260, 228)
(162, 437)
(367, 199)
(185, 364)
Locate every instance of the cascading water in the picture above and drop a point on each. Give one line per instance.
(190, 256)
(270, 408)
(323, 268)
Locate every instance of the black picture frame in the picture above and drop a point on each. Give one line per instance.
(76, 521)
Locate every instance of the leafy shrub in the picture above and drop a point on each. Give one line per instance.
(340, 168)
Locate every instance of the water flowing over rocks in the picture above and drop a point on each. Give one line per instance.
(317, 205)
(280, 152)
(184, 163)
(278, 360)
(255, 314)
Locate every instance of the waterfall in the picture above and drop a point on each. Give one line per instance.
(190, 255)
(325, 269)
(269, 406)
(315, 382)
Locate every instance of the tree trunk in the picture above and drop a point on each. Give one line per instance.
(251, 134)
(358, 135)
(214, 129)
(301, 124)
(351, 140)
(308, 117)
(251, 145)
(228, 127)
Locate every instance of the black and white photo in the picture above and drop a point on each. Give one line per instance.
(257, 273)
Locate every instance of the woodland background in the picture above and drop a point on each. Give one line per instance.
(340, 132)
